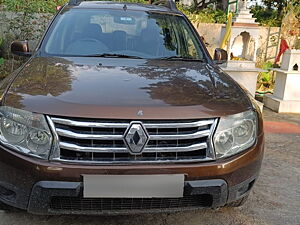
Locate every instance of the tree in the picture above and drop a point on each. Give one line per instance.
(202, 4)
(277, 4)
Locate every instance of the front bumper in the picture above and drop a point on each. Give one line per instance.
(53, 188)
(50, 197)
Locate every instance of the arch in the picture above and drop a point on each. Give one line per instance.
(243, 46)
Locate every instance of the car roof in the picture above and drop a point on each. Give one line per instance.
(120, 5)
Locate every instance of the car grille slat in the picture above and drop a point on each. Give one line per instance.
(88, 124)
(125, 125)
(78, 148)
(102, 141)
(92, 136)
(124, 150)
(198, 134)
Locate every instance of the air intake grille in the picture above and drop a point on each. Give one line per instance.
(109, 204)
(102, 141)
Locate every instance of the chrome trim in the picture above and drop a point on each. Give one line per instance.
(210, 143)
(78, 148)
(179, 125)
(138, 128)
(125, 125)
(55, 150)
(207, 159)
(195, 135)
(210, 155)
(71, 134)
(89, 124)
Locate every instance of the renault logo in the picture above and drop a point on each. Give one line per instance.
(136, 138)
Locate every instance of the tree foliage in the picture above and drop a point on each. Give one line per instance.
(271, 12)
(294, 6)
(266, 16)
(279, 5)
(207, 15)
(203, 4)
(37, 6)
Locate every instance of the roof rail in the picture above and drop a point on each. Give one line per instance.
(167, 3)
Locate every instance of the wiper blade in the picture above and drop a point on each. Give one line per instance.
(109, 55)
(180, 58)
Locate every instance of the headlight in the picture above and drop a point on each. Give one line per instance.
(25, 132)
(235, 133)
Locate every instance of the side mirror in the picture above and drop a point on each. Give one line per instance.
(220, 56)
(20, 48)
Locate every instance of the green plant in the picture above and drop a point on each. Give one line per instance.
(2, 71)
(1, 43)
(266, 76)
(266, 16)
(272, 12)
(207, 15)
(1, 50)
(35, 6)
(28, 20)
(298, 43)
(265, 79)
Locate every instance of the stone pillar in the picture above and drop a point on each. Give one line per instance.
(286, 96)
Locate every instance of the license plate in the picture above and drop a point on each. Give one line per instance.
(133, 186)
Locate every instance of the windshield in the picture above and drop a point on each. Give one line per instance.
(103, 32)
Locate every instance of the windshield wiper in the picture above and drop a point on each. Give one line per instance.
(109, 55)
(180, 58)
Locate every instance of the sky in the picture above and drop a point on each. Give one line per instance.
(253, 2)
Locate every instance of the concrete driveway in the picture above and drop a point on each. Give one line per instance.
(275, 198)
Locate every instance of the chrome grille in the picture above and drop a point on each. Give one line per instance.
(102, 141)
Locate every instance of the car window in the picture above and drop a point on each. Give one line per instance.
(190, 43)
(84, 32)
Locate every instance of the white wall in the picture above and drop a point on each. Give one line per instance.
(212, 35)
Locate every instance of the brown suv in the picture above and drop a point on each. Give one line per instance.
(120, 109)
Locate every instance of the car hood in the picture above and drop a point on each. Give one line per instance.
(120, 88)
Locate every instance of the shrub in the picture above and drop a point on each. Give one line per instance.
(265, 16)
(207, 15)
(265, 80)
(33, 6)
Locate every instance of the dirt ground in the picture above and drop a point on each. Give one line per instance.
(275, 198)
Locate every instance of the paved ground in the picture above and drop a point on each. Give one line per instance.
(275, 198)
